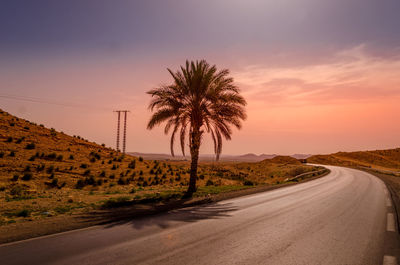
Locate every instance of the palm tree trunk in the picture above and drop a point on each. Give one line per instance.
(194, 151)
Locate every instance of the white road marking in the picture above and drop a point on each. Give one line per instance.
(389, 260)
(390, 223)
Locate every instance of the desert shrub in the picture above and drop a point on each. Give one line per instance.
(132, 164)
(71, 157)
(53, 132)
(53, 183)
(92, 160)
(51, 176)
(51, 156)
(209, 182)
(40, 167)
(50, 169)
(32, 158)
(15, 177)
(114, 167)
(1, 154)
(99, 182)
(83, 166)
(201, 176)
(87, 181)
(30, 146)
(140, 159)
(27, 128)
(12, 154)
(2, 188)
(95, 155)
(145, 184)
(87, 172)
(27, 168)
(112, 176)
(121, 181)
(9, 139)
(23, 213)
(248, 183)
(27, 176)
(141, 172)
(60, 158)
(102, 174)
(80, 184)
(20, 140)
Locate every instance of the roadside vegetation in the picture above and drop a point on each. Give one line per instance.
(45, 173)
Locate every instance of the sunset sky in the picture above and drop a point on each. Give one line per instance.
(319, 76)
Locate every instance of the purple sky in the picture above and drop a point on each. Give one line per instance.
(319, 76)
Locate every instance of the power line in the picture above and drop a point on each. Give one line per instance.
(51, 102)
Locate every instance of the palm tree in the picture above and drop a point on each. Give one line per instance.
(200, 99)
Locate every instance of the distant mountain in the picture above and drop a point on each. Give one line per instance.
(282, 160)
(250, 157)
(301, 156)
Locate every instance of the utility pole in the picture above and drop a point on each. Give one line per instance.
(118, 129)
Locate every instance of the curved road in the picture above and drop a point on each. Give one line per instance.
(342, 218)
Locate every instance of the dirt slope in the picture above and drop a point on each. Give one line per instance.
(379, 159)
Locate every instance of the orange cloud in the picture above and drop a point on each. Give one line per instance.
(352, 75)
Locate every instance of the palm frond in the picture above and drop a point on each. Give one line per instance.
(199, 97)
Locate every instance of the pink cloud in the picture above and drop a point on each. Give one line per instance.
(353, 75)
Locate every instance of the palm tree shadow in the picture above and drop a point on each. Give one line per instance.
(162, 216)
(189, 215)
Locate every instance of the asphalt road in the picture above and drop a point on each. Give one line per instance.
(342, 218)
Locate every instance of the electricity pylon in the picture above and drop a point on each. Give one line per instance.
(118, 129)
